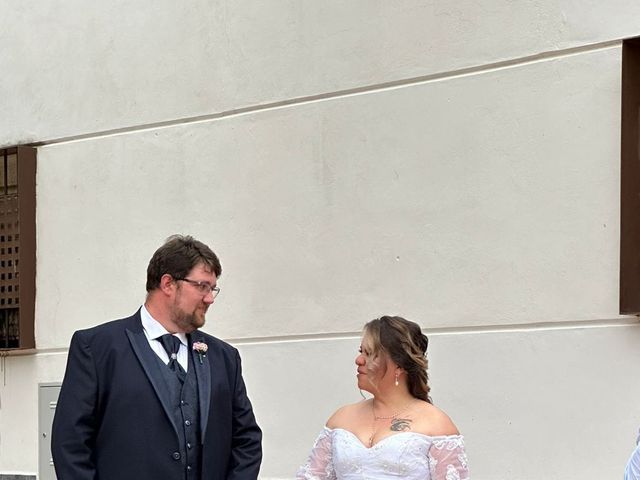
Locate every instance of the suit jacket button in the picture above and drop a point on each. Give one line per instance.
(176, 455)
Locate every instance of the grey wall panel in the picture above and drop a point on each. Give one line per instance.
(488, 199)
(68, 70)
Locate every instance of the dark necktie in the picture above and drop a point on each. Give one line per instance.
(171, 345)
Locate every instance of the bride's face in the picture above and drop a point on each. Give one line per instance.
(371, 368)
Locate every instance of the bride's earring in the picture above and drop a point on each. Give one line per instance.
(397, 383)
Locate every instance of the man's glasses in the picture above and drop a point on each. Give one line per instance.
(203, 287)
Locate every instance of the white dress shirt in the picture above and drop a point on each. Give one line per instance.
(154, 330)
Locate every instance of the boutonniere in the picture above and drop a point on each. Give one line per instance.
(201, 349)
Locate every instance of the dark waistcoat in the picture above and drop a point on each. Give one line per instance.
(186, 415)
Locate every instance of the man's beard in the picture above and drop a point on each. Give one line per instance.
(188, 321)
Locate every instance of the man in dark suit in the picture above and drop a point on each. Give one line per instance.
(151, 397)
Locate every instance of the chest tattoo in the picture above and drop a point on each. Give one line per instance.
(400, 425)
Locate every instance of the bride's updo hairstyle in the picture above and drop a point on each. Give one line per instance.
(405, 344)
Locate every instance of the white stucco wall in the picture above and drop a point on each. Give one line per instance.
(472, 201)
(74, 70)
(455, 164)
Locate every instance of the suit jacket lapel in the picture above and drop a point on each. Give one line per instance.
(203, 376)
(151, 367)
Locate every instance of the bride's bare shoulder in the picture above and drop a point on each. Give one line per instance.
(348, 414)
(433, 421)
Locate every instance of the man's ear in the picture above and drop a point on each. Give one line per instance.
(167, 284)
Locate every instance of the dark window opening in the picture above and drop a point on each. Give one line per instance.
(17, 247)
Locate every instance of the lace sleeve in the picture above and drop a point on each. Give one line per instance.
(447, 458)
(632, 470)
(319, 465)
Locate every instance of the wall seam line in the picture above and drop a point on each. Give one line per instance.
(625, 322)
(339, 94)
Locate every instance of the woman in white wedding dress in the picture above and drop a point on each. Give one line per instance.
(398, 433)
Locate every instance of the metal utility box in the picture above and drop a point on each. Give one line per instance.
(47, 400)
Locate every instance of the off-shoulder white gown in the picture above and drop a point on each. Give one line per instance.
(338, 454)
